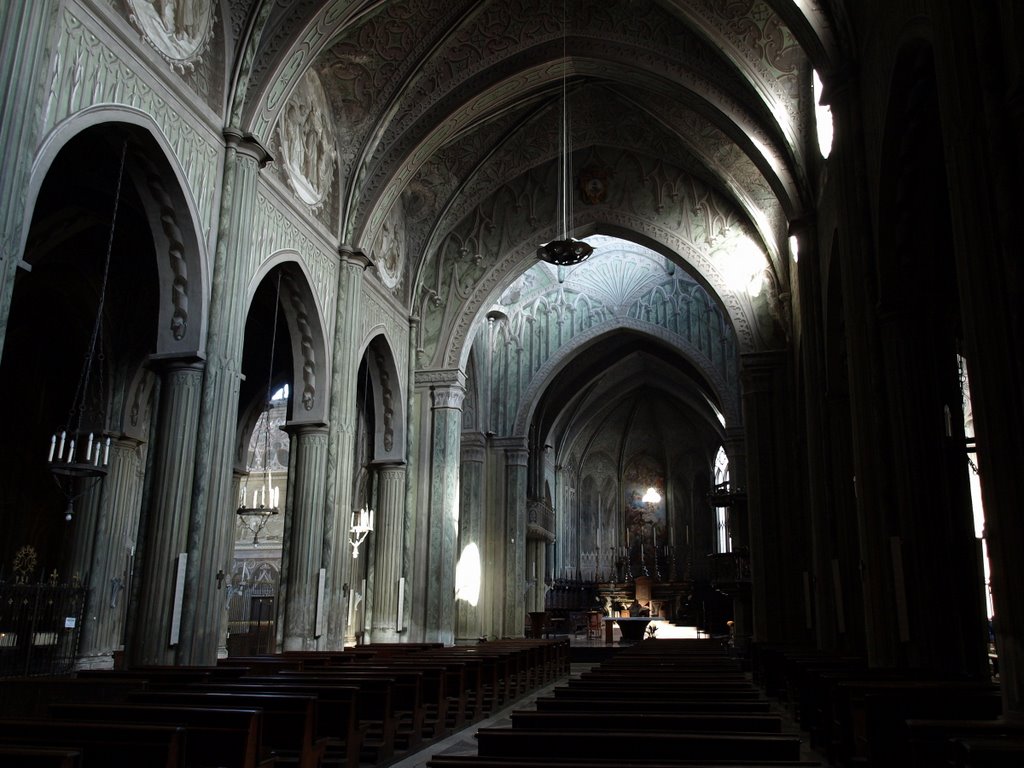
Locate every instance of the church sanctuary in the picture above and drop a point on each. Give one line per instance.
(511, 383)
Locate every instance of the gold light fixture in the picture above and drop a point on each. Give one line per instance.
(565, 251)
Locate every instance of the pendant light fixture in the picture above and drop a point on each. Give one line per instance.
(265, 496)
(80, 449)
(564, 251)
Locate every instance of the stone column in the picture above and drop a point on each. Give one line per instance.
(860, 296)
(471, 526)
(443, 508)
(389, 530)
(777, 549)
(305, 536)
(164, 529)
(516, 460)
(338, 504)
(536, 564)
(981, 130)
(26, 29)
(113, 555)
(934, 552)
(211, 527)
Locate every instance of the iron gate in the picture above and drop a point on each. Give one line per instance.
(40, 625)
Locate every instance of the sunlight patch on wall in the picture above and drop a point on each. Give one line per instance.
(467, 575)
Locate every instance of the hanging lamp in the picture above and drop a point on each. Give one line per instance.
(265, 497)
(565, 251)
(80, 450)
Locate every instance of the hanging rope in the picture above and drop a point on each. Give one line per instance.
(82, 391)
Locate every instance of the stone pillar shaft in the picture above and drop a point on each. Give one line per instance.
(471, 526)
(305, 535)
(25, 30)
(387, 539)
(212, 526)
(341, 448)
(166, 518)
(515, 540)
(113, 552)
(443, 509)
(777, 550)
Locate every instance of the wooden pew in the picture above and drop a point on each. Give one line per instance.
(475, 761)
(40, 757)
(110, 745)
(990, 752)
(289, 720)
(342, 717)
(850, 703)
(885, 715)
(646, 722)
(695, 706)
(625, 746)
(932, 742)
(32, 696)
(653, 693)
(377, 711)
(227, 738)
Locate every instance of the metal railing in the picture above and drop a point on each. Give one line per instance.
(40, 626)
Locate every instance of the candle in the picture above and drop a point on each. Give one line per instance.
(106, 453)
(53, 446)
(71, 451)
(88, 449)
(60, 453)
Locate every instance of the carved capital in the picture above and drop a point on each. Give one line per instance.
(353, 257)
(448, 397)
(248, 144)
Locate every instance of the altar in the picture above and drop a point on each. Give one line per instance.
(632, 628)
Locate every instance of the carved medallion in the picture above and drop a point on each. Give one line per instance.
(306, 133)
(180, 30)
(390, 251)
(594, 184)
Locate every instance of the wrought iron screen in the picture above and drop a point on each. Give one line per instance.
(251, 625)
(40, 625)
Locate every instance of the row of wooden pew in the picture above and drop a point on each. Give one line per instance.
(658, 703)
(366, 705)
(858, 715)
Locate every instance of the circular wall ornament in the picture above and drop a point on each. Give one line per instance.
(306, 133)
(180, 30)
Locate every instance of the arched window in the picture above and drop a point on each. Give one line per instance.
(723, 539)
(822, 118)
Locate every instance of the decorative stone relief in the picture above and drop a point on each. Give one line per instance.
(277, 231)
(667, 48)
(87, 72)
(488, 244)
(389, 251)
(306, 350)
(180, 30)
(175, 249)
(381, 315)
(387, 394)
(306, 131)
(623, 284)
(601, 124)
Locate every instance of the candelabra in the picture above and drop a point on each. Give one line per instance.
(362, 525)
